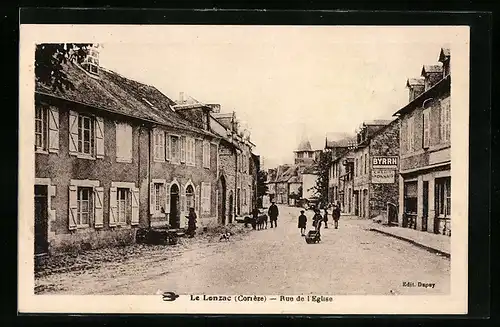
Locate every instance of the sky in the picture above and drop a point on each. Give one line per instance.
(284, 83)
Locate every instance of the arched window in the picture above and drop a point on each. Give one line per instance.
(189, 197)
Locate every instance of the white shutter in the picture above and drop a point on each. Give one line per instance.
(53, 129)
(167, 197)
(168, 151)
(183, 206)
(197, 200)
(135, 206)
(113, 207)
(182, 139)
(209, 198)
(193, 151)
(73, 206)
(98, 207)
(73, 132)
(151, 198)
(99, 137)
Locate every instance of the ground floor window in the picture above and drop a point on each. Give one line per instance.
(159, 189)
(85, 205)
(123, 204)
(410, 197)
(443, 197)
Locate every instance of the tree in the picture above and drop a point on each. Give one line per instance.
(49, 58)
(261, 185)
(322, 168)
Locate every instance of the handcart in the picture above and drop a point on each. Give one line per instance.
(312, 237)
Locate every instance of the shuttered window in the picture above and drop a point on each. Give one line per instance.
(86, 135)
(41, 128)
(123, 205)
(159, 145)
(410, 134)
(84, 206)
(190, 151)
(175, 149)
(205, 197)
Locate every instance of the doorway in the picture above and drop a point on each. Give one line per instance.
(238, 203)
(356, 203)
(41, 220)
(221, 198)
(231, 209)
(425, 206)
(174, 217)
(365, 203)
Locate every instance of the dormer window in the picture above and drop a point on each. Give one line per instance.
(91, 62)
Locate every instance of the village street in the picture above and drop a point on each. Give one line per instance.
(351, 260)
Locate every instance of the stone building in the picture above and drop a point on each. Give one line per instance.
(375, 166)
(425, 167)
(113, 155)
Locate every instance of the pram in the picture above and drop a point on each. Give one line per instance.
(313, 236)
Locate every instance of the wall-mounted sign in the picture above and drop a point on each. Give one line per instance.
(385, 162)
(383, 176)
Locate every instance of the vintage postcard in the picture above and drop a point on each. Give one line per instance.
(243, 169)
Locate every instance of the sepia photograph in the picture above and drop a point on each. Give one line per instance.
(295, 169)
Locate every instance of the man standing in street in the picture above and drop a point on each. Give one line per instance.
(273, 213)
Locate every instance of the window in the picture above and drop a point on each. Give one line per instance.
(300, 155)
(205, 197)
(410, 197)
(159, 196)
(175, 148)
(86, 135)
(123, 205)
(206, 154)
(426, 128)
(443, 197)
(159, 145)
(123, 142)
(84, 206)
(190, 197)
(310, 154)
(183, 148)
(41, 122)
(409, 134)
(445, 120)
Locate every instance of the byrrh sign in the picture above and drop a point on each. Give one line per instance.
(385, 162)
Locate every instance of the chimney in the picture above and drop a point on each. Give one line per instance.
(444, 58)
(416, 87)
(181, 97)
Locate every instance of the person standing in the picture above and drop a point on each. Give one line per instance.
(191, 222)
(317, 219)
(273, 213)
(325, 217)
(336, 215)
(302, 223)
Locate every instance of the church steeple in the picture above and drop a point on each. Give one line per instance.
(304, 153)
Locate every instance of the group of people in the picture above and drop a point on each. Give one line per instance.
(318, 219)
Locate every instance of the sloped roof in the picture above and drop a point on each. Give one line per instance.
(339, 140)
(115, 93)
(431, 69)
(415, 81)
(378, 122)
(304, 145)
(309, 170)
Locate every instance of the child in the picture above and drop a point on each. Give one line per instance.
(302, 223)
